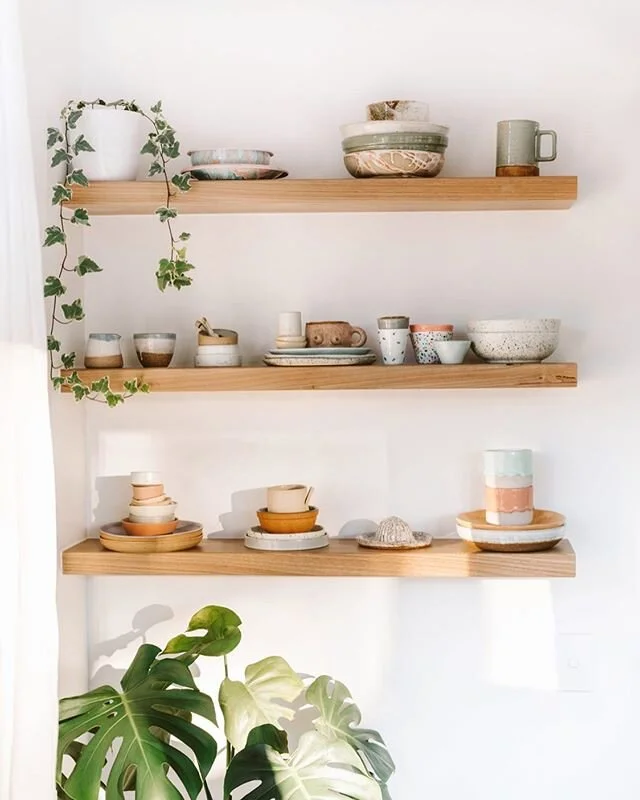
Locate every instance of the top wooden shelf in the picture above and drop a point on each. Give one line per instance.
(327, 195)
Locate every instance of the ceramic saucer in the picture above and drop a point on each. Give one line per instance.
(372, 540)
(187, 535)
(318, 361)
(321, 351)
(257, 539)
(234, 172)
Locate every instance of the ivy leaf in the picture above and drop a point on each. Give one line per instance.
(113, 399)
(173, 151)
(155, 169)
(73, 379)
(80, 217)
(144, 388)
(53, 344)
(53, 287)
(68, 360)
(101, 386)
(58, 383)
(73, 310)
(78, 177)
(157, 109)
(80, 391)
(161, 124)
(53, 137)
(81, 144)
(60, 156)
(54, 235)
(166, 213)
(85, 265)
(131, 386)
(181, 181)
(150, 147)
(60, 193)
(184, 237)
(72, 119)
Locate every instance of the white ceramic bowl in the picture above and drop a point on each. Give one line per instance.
(514, 341)
(390, 126)
(218, 361)
(152, 513)
(146, 478)
(452, 352)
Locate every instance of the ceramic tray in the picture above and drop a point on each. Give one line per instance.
(294, 541)
(318, 361)
(187, 535)
(371, 540)
(235, 172)
(321, 351)
(546, 530)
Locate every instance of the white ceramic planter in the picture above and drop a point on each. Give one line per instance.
(116, 138)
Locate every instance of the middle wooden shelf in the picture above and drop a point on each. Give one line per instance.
(409, 376)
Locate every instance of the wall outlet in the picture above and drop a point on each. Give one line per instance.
(575, 662)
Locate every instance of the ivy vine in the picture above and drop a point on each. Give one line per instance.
(162, 144)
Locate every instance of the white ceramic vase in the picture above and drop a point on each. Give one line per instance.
(115, 135)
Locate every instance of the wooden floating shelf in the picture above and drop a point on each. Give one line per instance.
(410, 376)
(446, 558)
(331, 195)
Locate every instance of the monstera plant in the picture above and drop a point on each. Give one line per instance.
(114, 741)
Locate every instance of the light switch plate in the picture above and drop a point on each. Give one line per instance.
(575, 662)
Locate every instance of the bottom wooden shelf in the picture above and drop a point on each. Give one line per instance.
(446, 558)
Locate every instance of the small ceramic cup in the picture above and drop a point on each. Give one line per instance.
(423, 339)
(508, 478)
(287, 498)
(146, 478)
(103, 351)
(508, 462)
(452, 352)
(290, 323)
(393, 323)
(154, 349)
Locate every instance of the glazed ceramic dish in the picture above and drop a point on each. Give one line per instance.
(394, 164)
(396, 141)
(374, 127)
(187, 535)
(256, 532)
(235, 172)
(230, 155)
(514, 341)
(546, 530)
(318, 361)
(154, 349)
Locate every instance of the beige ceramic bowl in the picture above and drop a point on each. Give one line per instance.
(300, 522)
(149, 528)
(156, 513)
(148, 492)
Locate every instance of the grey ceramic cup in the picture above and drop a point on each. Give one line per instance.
(519, 144)
(392, 323)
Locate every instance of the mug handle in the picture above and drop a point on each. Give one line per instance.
(359, 335)
(554, 146)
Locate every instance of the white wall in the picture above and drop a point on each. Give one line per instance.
(460, 676)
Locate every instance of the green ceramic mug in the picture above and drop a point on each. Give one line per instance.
(519, 147)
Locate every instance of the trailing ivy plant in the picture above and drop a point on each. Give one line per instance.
(161, 143)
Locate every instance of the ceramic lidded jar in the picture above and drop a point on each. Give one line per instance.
(103, 351)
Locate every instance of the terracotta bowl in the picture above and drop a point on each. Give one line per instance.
(149, 528)
(298, 522)
(148, 492)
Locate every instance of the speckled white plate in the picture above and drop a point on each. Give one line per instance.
(272, 543)
(259, 533)
(318, 361)
(321, 351)
(371, 540)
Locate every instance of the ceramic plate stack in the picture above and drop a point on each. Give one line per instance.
(394, 149)
(546, 530)
(297, 530)
(232, 164)
(320, 357)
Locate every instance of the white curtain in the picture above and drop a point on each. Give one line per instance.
(28, 624)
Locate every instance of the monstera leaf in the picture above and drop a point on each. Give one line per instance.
(339, 716)
(222, 634)
(131, 722)
(259, 700)
(320, 769)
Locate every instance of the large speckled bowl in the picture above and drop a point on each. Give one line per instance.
(514, 341)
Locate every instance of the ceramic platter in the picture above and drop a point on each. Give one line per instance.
(546, 530)
(258, 539)
(371, 540)
(318, 361)
(235, 172)
(321, 351)
(187, 535)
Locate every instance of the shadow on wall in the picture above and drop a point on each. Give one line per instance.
(112, 495)
(242, 516)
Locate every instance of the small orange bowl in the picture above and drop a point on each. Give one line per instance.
(148, 492)
(149, 528)
(297, 522)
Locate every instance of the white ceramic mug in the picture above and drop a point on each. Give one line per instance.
(393, 344)
(290, 323)
(287, 498)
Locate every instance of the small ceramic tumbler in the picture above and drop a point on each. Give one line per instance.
(290, 324)
(519, 148)
(508, 478)
(103, 351)
(393, 335)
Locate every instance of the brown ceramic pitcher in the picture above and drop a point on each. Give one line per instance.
(334, 334)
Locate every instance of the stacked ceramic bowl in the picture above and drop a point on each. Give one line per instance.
(514, 341)
(287, 522)
(397, 141)
(219, 350)
(151, 511)
(232, 164)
